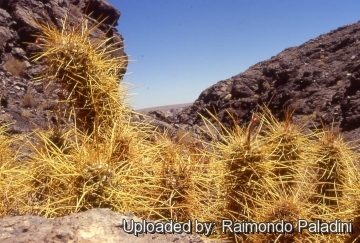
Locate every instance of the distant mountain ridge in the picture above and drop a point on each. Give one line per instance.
(170, 109)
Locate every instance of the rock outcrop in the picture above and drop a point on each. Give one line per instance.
(319, 78)
(93, 226)
(25, 103)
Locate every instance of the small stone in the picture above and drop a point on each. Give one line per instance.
(39, 87)
(19, 84)
(19, 51)
(27, 64)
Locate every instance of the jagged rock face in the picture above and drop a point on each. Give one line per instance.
(25, 103)
(321, 76)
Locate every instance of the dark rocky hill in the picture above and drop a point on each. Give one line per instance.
(318, 78)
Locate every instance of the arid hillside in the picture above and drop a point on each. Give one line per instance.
(320, 78)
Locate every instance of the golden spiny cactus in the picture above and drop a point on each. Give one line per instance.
(86, 72)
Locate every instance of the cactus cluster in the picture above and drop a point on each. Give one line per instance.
(281, 171)
(268, 171)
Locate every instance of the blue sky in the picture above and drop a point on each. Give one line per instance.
(179, 48)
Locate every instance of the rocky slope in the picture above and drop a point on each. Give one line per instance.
(318, 78)
(25, 103)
